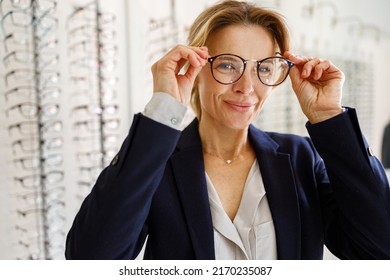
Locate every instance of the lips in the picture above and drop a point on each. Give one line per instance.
(240, 106)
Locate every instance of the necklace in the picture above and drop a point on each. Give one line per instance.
(227, 161)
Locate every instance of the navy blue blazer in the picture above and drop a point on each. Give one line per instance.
(155, 187)
(386, 147)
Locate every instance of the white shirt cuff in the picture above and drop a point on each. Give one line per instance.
(165, 109)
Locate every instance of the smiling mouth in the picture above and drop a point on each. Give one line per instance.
(240, 106)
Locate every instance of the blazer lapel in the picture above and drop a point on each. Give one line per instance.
(188, 168)
(279, 183)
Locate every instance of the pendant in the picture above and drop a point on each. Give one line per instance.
(229, 161)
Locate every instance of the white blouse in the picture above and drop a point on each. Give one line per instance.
(251, 235)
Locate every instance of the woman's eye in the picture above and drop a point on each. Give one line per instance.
(265, 70)
(226, 67)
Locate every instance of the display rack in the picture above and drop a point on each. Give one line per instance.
(92, 61)
(31, 94)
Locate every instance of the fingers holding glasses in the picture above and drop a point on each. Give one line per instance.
(175, 73)
(318, 85)
(314, 67)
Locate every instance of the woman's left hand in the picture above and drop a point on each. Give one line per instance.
(318, 85)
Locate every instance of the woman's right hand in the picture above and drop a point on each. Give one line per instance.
(170, 78)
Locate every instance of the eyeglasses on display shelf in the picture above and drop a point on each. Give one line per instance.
(24, 39)
(358, 88)
(27, 92)
(33, 163)
(90, 109)
(32, 109)
(41, 6)
(34, 197)
(162, 35)
(92, 64)
(31, 145)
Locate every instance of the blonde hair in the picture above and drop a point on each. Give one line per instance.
(227, 13)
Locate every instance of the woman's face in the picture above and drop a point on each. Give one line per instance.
(235, 105)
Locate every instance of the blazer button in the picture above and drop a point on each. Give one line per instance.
(370, 151)
(115, 160)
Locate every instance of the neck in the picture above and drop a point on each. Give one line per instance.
(223, 142)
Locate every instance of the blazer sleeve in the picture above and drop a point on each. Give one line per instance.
(356, 206)
(112, 221)
(386, 147)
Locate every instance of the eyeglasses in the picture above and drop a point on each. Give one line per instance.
(92, 125)
(34, 180)
(46, 78)
(93, 158)
(90, 31)
(51, 210)
(20, 38)
(229, 68)
(24, 128)
(33, 162)
(24, 57)
(22, 19)
(107, 94)
(91, 46)
(88, 81)
(109, 140)
(89, 14)
(28, 91)
(36, 196)
(31, 145)
(31, 109)
(45, 6)
(90, 109)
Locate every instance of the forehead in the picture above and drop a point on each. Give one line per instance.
(250, 42)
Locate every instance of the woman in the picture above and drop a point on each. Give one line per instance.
(222, 189)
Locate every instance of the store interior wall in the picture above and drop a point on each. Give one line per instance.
(134, 35)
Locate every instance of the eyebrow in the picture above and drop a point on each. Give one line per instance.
(226, 57)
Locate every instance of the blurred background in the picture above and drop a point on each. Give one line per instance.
(73, 73)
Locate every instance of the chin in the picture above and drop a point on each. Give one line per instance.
(238, 124)
(239, 121)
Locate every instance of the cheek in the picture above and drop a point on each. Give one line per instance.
(262, 95)
(263, 92)
(206, 84)
(204, 76)
(206, 97)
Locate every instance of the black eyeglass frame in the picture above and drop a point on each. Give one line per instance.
(244, 61)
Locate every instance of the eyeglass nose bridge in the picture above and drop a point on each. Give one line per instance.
(245, 62)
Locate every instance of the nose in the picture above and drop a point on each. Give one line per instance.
(245, 85)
